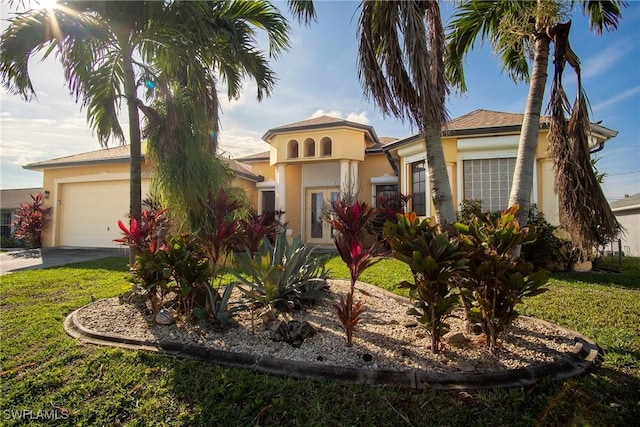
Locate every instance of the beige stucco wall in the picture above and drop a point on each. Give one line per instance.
(347, 143)
(375, 165)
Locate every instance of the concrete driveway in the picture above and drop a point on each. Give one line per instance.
(32, 259)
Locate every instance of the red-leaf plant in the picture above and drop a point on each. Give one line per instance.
(148, 234)
(351, 222)
(147, 241)
(220, 231)
(31, 220)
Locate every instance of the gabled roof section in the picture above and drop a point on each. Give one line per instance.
(265, 155)
(631, 202)
(483, 122)
(13, 198)
(121, 154)
(482, 119)
(117, 154)
(322, 122)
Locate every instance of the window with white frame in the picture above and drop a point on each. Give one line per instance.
(488, 180)
(419, 188)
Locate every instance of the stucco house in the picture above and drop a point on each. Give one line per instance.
(310, 162)
(627, 212)
(10, 201)
(480, 150)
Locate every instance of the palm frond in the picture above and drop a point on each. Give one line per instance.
(603, 14)
(303, 10)
(584, 210)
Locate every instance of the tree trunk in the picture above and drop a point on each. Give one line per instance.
(135, 180)
(522, 185)
(439, 178)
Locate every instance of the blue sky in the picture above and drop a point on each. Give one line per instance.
(319, 76)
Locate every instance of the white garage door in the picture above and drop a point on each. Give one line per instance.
(89, 212)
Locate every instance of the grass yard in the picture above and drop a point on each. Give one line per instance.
(45, 373)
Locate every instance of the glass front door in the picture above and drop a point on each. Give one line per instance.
(319, 231)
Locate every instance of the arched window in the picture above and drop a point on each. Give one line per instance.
(326, 146)
(292, 149)
(309, 147)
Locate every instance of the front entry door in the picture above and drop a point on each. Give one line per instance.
(317, 230)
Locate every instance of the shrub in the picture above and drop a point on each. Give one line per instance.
(351, 222)
(549, 251)
(31, 220)
(435, 261)
(497, 282)
(283, 277)
(9, 242)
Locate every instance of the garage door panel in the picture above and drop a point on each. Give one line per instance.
(90, 212)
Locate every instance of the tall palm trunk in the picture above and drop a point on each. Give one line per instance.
(135, 180)
(439, 178)
(522, 185)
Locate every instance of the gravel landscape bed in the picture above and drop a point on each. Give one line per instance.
(387, 337)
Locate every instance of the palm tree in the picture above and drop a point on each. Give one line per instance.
(400, 63)
(516, 29)
(109, 50)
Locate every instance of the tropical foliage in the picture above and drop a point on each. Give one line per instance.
(110, 51)
(351, 222)
(497, 282)
(31, 220)
(283, 277)
(400, 63)
(517, 30)
(436, 262)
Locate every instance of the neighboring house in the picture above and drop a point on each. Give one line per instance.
(480, 150)
(308, 164)
(10, 201)
(627, 212)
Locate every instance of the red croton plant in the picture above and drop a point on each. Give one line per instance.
(146, 234)
(351, 223)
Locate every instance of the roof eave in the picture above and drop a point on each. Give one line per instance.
(285, 129)
(42, 166)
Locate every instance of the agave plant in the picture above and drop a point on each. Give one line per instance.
(435, 261)
(284, 276)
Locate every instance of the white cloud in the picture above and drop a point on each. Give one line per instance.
(352, 117)
(617, 98)
(320, 112)
(606, 59)
(240, 143)
(358, 118)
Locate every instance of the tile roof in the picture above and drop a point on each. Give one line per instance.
(257, 156)
(486, 119)
(384, 140)
(13, 198)
(315, 121)
(120, 154)
(319, 123)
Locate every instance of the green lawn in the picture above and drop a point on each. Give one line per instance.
(42, 368)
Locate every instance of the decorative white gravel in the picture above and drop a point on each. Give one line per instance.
(381, 334)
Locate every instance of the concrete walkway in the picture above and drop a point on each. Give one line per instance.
(32, 259)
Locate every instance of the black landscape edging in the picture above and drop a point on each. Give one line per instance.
(575, 363)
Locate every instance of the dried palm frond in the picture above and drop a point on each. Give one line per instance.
(584, 210)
